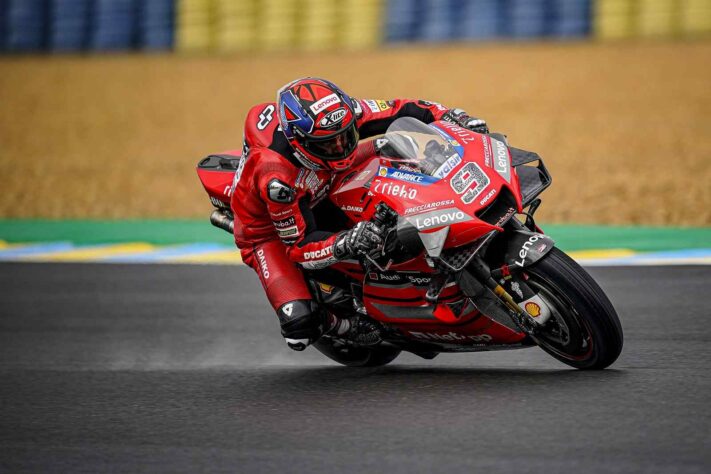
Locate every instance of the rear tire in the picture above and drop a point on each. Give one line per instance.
(584, 330)
(356, 356)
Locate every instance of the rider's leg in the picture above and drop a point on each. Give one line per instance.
(301, 321)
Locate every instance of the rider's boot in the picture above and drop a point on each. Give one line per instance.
(356, 328)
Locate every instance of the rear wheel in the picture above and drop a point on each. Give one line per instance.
(356, 356)
(584, 330)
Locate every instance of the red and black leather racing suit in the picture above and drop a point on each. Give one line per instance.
(273, 195)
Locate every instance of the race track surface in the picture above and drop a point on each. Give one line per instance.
(149, 368)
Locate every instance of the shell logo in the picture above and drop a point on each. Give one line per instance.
(533, 309)
(383, 171)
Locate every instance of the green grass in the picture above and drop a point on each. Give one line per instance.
(165, 232)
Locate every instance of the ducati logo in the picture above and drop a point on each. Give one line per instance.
(318, 253)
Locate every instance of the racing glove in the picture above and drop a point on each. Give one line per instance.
(361, 239)
(460, 117)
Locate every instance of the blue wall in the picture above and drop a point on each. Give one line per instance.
(80, 25)
(118, 25)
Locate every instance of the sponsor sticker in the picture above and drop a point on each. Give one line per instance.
(510, 212)
(288, 232)
(488, 196)
(523, 253)
(351, 208)
(325, 252)
(451, 336)
(217, 203)
(382, 105)
(438, 218)
(487, 151)
(516, 288)
(465, 135)
(319, 258)
(372, 105)
(333, 118)
(313, 182)
(323, 103)
(429, 206)
(263, 263)
(389, 277)
(407, 176)
(533, 309)
(501, 159)
(305, 160)
(447, 167)
(285, 212)
(284, 223)
(419, 280)
(398, 190)
(405, 167)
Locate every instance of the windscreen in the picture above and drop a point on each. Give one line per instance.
(424, 148)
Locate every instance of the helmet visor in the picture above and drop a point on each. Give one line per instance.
(333, 147)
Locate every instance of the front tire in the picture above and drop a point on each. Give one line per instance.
(356, 356)
(584, 330)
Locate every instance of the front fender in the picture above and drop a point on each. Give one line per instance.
(524, 248)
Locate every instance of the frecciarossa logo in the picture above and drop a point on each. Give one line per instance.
(438, 218)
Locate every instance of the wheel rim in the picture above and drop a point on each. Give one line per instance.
(566, 334)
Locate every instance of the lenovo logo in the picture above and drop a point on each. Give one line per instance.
(438, 218)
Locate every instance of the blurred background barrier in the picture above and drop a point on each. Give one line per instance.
(123, 132)
(313, 25)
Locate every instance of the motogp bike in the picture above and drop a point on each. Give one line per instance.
(464, 267)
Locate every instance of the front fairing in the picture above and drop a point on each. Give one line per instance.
(452, 189)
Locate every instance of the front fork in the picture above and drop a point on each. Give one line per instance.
(526, 309)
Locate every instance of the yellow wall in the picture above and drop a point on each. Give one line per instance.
(277, 25)
(613, 19)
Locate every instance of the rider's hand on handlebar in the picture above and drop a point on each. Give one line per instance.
(461, 118)
(361, 239)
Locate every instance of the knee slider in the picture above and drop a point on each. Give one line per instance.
(300, 323)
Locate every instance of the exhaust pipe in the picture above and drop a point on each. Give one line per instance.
(220, 218)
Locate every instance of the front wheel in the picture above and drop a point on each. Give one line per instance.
(356, 356)
(584, 330)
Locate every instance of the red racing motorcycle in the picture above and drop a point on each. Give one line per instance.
(464, 267)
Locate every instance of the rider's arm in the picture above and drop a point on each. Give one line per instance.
(294, 221)
(375, 116)
(305, 244)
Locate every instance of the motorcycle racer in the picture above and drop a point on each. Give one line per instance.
(293, 148)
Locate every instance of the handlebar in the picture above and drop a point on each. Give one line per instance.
(384, 217)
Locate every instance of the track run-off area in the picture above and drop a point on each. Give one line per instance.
(195, 241)
(181, 368)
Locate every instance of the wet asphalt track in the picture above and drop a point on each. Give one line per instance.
(110, 368)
